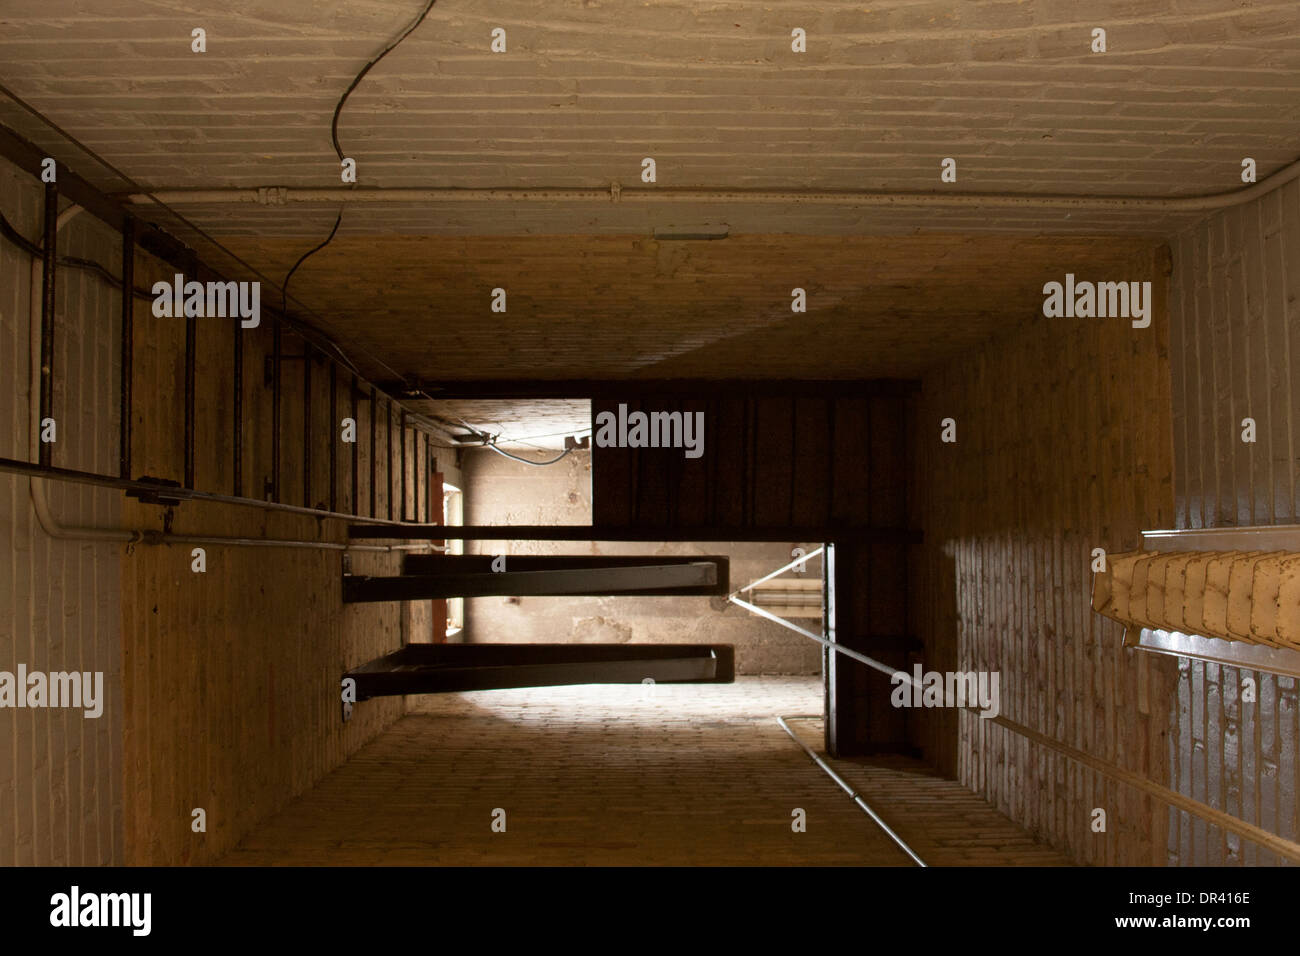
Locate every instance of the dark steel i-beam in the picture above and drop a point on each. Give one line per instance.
(128, 347)
(388, 461)
(306, 424)
(546, 532)
(191, 347)
(49, 256)
(276, 346)
(401, 435)
(449, 668)
(695, 578)
(374, 448)
(237, 386)
(333, 439)
(433, 564)
(355, 446)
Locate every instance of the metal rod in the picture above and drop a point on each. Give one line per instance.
(1218, 817)
(275, 410)
(776, 619)
(49, 257)
(191, 346)
(306, 424)
(125, 410)
(843, 785)
(781, 570)
(333, 437)
(237, 438)
(863, 658)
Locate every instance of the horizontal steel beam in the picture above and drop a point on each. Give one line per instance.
(693, 578)
(445, 563)
(587, 532)
(445, 668)
(625, 389)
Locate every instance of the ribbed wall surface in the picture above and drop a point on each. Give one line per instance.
(1062, 446)
(60, 772)
(1235, 353)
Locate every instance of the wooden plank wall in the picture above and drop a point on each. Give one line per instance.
(60, 771)
(784, 461)
(1235, 348)
(231, 677)
(1064, 444)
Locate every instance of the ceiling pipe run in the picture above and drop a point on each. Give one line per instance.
(282, 195)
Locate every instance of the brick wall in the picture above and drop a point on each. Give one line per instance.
(501, 491)
(1235, 353)
(1063, 445)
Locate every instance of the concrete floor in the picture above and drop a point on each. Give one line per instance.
(625, 775)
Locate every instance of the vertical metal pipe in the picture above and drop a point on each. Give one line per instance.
(388, 470)
(306, 423)
(401, 437)
(191, 336)
(48, 259)
(128, 347)
(374, 450)
(238, 405)
(355, 444)
(333, 436)
(275, 411)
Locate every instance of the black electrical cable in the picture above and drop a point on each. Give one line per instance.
(73, 262)
(334, 124)
(284, 286)
(305, 330)
(17, 238)
(90, 265)
(334, 137)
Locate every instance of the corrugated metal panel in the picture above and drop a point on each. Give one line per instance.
(60, 772)
(1235, 353)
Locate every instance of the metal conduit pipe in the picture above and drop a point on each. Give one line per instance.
(853, 794)
(279, 195)
(802, 559)
(36, 485)
(1213, 815)
(838, 648)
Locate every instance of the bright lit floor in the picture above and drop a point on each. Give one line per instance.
(624, 774)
